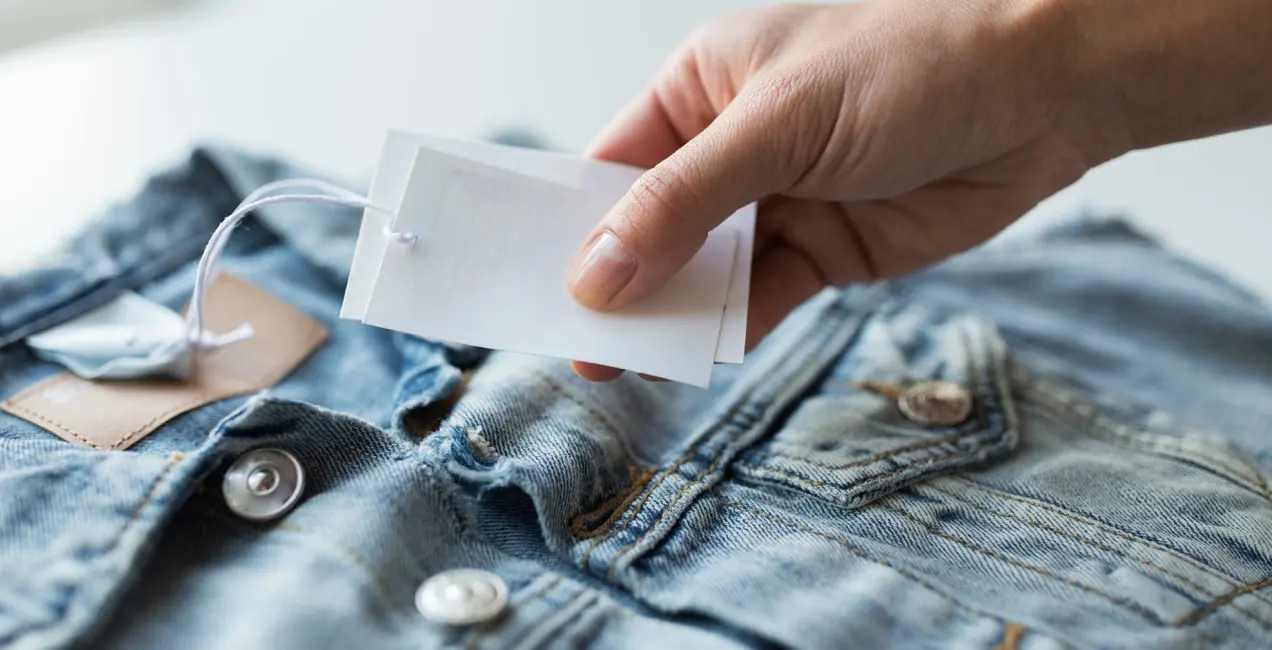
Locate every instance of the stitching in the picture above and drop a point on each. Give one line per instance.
(150, 494)
(623, 499)
(480, 630)
(49, 423)
(608, 533)
(30, 391)
(812, 483)
(1105, 528)
(1116, 600)
(17, 402)
(880, 456)
(1227, 598)
(1011, 637)
(269, 376)
(545, 588)
(561, 617)
(164, 416)
(604, 420)
(1208, 593)
(609, 570)
(856, 550)
(1060, 407)
(982, 420)
(831, 323)
(133, 516)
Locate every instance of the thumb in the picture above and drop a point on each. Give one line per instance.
(664, 218)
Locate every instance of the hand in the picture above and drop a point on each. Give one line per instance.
(878, 138)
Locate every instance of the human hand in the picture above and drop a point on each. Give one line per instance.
(879, 138)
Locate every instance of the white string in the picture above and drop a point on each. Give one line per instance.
(197, 337)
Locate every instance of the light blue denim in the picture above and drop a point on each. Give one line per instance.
(1110, 489)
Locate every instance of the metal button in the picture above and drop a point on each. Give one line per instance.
(462, 597)
(935, 403)
(263, 484)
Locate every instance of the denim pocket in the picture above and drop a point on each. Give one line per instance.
(1137, 427)
(850, 440)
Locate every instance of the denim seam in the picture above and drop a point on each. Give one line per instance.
(608, 532)
(601, 417)
(1012, 632)
(990, 371)
(861, 553)
(609, 569)
(981, 440)
(547, 586)
(1094, 544)
(1116, 600)
(982, 437)
(616, 504)
(836, 316)
(1038, 391)
(1226, 599)
(869, 480)
(741, 402)
(1187, 621)
(676, 497)
(133, 516)
(918, 446)
(1117, 433)
(1107, 528)
(561, 617)
(479, 632)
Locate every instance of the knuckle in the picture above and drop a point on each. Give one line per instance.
(660, 205)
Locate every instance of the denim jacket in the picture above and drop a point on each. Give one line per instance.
(1095, 473)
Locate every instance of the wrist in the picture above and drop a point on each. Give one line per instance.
(1133, 74)
(1067, 81)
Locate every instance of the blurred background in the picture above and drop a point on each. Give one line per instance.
(97, 94)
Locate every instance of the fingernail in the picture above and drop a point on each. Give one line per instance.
(603, 271)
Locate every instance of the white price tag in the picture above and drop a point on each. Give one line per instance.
(497, 227)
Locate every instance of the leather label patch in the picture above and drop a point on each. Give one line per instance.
(114, 415)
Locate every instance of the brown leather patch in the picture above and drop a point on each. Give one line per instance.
(113, 414)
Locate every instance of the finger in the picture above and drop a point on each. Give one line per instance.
(664, 218)
(642, 134)
(595, 372)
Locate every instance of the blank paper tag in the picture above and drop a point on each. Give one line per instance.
(490, 270)
(605, 181)
(117, 414)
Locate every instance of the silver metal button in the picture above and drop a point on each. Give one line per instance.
(263, 484)
(935, 403)
(462, 597)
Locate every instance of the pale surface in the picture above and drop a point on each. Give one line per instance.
(319, 81)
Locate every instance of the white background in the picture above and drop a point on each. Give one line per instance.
(84, 118)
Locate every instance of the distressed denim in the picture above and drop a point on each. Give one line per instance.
(1109, 489)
